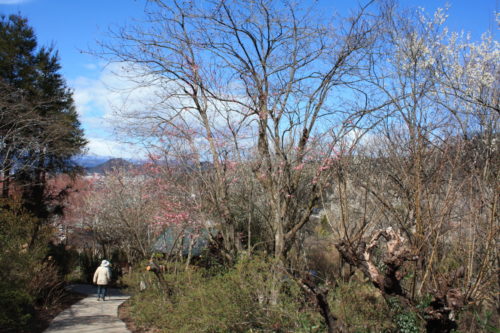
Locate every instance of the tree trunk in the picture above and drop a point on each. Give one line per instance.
(320, 295)
(6, 182)
(279, 251)
(440, 315)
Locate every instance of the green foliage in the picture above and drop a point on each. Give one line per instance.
(16, 305)
(18, 244)
(39, 126)
(19, 261)
(477, 318)
(406, 321)
(65, 259)
(360, 307)
(486, 322)
(31, 275)
(39, 132)
(235, 301)
(425, 301)
(324, 226)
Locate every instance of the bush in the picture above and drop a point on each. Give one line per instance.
(46, 284)
(65, 258)
(17, 307)
(360, 307)
(28, 278)
(234, 301)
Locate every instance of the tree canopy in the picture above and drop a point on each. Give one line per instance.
(39, 126)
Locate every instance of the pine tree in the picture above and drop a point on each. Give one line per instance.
(39, 127)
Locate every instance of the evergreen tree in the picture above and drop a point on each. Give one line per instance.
(39, 127)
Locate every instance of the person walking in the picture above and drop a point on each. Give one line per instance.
(102, 277)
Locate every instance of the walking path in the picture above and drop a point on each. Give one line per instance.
(90, 315)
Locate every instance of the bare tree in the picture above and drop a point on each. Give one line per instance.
(128, 210)
(422, 172)
(248, 78)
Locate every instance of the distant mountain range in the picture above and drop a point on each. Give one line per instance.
(103, 164)
(110, 165)
(89, 161)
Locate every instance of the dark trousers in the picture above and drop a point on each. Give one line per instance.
(102, 290)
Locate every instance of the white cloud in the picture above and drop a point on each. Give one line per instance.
(112, 91)
(91, 67)
(99, 100)
(114, 99)
(12, 2)
(107, 147)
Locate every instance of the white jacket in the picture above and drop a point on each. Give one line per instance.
(102, 275)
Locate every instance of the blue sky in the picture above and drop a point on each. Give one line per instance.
(73, 26)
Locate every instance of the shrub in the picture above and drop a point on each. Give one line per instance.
(46, 284)
(17, 307)
(234, 301)
(360, 307)
(28, 278)
(17, 259)
(65, 258)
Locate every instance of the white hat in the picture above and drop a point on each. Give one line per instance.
(105, 263)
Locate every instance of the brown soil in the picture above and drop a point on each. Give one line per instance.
(43, 315)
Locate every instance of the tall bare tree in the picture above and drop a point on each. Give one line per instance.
(431, 168)
(240, 79)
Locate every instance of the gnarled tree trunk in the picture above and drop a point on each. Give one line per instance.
(440, 315)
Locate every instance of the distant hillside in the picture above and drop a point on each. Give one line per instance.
(110, 165)
(102, 164)
(90, 161)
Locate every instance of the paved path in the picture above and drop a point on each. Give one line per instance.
(89, 315)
